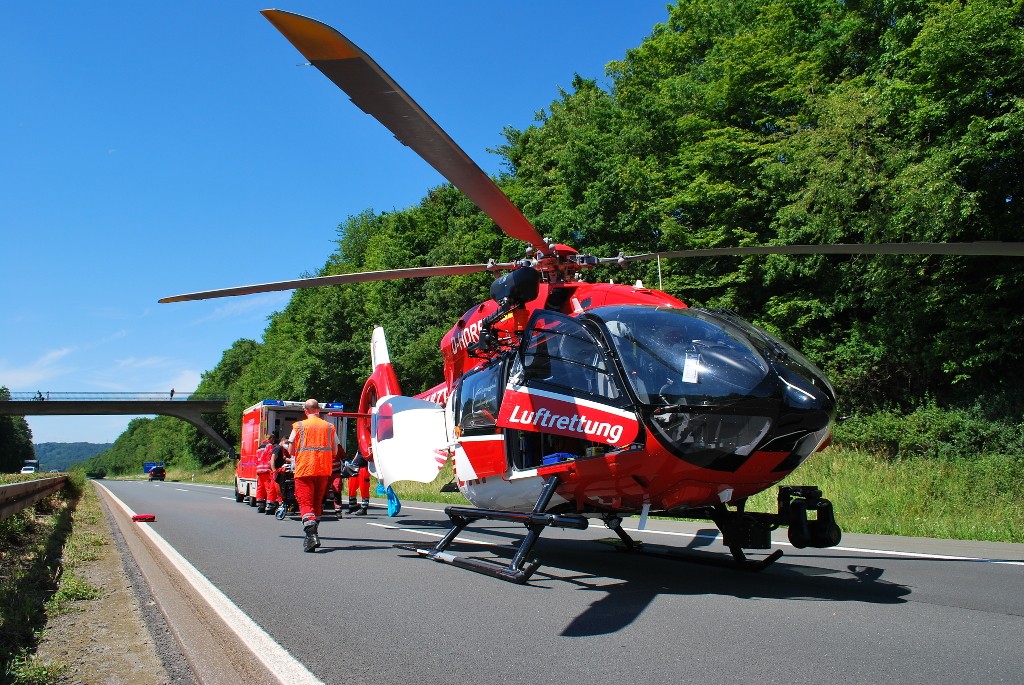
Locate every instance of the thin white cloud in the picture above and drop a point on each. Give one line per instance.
(186, 380)
(244, 306)
(36, 372)
(136, 363)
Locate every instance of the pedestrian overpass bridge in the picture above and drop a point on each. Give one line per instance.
(183, 405)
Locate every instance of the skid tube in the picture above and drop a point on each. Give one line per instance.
(518, 570)
(743, 530)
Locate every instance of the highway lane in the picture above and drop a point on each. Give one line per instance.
(360, 610)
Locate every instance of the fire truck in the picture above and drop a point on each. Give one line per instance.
(274, 416)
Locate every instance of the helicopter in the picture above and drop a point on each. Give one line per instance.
(566, 401)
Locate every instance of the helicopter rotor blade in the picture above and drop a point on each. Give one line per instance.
(981, 248)
(339, 279)
(376, 93)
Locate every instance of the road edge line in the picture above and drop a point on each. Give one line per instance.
(274, 657)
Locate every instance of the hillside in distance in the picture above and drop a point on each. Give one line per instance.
(61, 455)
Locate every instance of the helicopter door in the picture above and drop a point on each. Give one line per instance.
(410, 439)
(563, 395)
(481, 452)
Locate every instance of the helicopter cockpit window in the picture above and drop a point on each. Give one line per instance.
(682, 356)
(477, 401)
(560, 353)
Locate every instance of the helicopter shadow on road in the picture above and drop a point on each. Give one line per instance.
(629, 582)
(334, 538)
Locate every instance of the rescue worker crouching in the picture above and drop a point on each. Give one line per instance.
(315, 443)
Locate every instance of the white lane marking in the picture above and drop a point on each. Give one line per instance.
(704, 536)
(181, 489)
(209, 485)
(228, 498)
(431, 535)
(882, 552)
(276, 658)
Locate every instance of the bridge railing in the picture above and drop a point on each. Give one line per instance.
(119, 396)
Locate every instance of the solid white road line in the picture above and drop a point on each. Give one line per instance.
(431, 535)
(276, 658)
(880, 552)
(704, 536)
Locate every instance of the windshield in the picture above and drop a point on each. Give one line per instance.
(682, 356)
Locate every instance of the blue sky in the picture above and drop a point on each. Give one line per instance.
(156, 148)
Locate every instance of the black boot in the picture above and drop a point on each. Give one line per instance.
(261, 506)
(312, 540)
(271, 508)
(352, 506)
(362, 510)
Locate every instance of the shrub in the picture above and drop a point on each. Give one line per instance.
(933, 432)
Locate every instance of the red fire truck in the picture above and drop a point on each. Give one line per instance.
(274, 416)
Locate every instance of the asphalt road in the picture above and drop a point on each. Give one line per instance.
(360, 610)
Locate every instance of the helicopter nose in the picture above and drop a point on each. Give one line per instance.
(801, 392)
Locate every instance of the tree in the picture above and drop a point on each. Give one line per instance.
(15, 439)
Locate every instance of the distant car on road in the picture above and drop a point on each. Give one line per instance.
(28, 469)
(157, 473)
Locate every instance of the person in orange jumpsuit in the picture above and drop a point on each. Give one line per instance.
(274, 497)
(340, 470)
(359, 483)
(315, 442)
(265, 474)
(282, 463)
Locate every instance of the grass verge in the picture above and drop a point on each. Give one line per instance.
(962, 499)
(39, 551)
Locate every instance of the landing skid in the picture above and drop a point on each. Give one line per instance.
(739, 560)
(741, 530)
(518, 570)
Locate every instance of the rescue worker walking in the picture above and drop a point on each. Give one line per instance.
(281, 462)
(265, 474)
(314, 444)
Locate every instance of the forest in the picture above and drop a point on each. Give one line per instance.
(733, 123)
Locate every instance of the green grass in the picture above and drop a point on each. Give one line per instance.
(221, 473)
(919, 497)
(426, 492)
(39, 549)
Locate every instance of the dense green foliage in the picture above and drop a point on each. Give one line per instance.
(15, 439)
(733, 123)
(159, 439)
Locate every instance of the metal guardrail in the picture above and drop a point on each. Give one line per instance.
(18, 496)
(115, 396)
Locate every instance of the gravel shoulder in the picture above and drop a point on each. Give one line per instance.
(119, 637)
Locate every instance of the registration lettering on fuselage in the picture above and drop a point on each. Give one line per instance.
(539, 411)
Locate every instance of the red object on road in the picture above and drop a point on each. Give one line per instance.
(144, 517)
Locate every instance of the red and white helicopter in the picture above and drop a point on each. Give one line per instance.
(565, 401)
